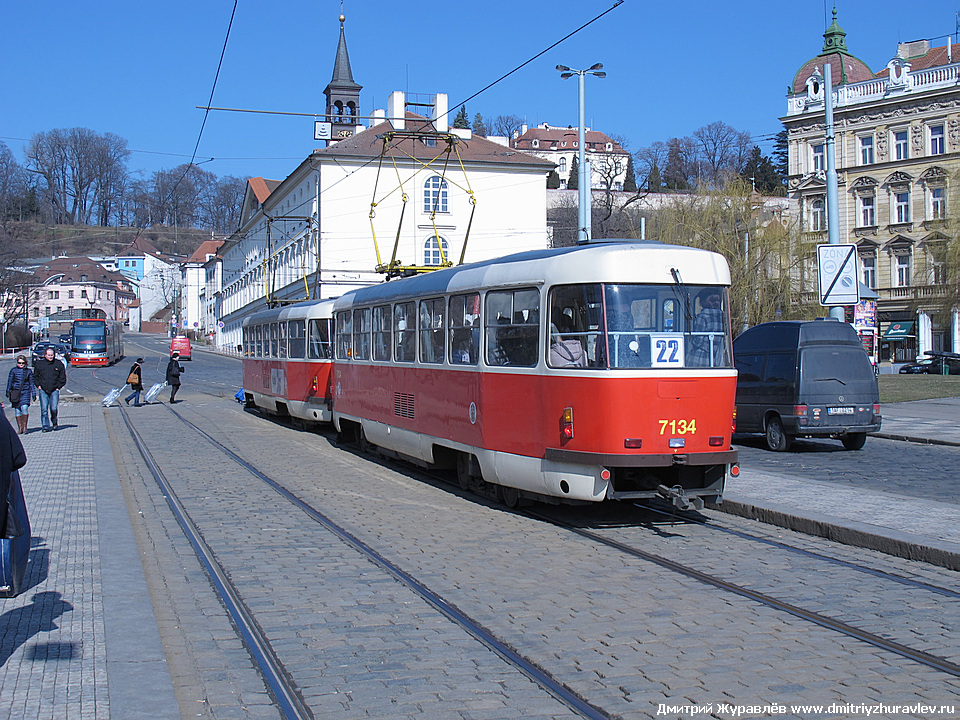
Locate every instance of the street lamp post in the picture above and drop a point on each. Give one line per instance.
(584, 216)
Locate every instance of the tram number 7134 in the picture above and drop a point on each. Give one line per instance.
(679, 427)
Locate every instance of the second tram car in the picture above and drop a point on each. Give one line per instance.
(595, 372)
(95, 341)
(287, 358)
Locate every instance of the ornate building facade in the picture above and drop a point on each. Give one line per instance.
(898, 166)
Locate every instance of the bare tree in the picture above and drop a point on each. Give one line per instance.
(723, 150)
(221, 204)
(76, 165)
(506, 125)
(14, 183)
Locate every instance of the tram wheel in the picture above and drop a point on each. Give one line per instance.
(511, 496)
(464, 478)
(777, 439)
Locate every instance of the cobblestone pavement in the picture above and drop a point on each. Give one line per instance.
(627, 635)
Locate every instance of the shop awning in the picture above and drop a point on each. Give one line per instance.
(898, 331)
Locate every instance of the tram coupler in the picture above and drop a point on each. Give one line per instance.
(677, 496)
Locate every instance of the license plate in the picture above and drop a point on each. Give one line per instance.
(839, 411)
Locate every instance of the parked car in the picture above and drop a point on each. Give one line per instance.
(939, 363)
(805, 379)
(61, 350)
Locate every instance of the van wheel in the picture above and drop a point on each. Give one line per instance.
(854, 441)
(777, 439)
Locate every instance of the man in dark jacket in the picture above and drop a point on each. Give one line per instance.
(50, 375)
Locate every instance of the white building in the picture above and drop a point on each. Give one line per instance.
(158, 277)
(194, 283)
(560, 145)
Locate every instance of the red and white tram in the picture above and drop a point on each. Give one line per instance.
(287, 360)
(602, 371)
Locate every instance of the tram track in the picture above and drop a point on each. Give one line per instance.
(844, 628)
(276, 677)
(920, 656)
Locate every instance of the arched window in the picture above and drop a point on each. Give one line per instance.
(562, 165)
(431, 250)
(435, 195)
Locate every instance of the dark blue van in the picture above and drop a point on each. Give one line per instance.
(805, 379)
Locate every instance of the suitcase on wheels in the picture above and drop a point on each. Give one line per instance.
(154, 391)
(14, 551)
(111, 396)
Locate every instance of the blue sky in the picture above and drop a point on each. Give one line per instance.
(140, 69)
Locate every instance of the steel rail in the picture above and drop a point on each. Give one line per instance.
(810, 553)
(288, 698)
(532, 670)
(933, 661)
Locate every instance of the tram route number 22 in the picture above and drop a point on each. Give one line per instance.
(666, 350)
(679, 427)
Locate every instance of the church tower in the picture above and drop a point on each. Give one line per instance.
(343, 95)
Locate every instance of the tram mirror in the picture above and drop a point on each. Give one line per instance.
(634, 347)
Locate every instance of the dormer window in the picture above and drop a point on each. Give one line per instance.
(535, 143)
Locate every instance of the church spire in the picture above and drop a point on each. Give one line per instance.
(342, 93)
(834, 38)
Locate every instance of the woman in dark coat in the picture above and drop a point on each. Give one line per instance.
(21, 380)
(136, 385)
(174, 368)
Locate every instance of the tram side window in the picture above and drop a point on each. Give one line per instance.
(282, 339)
(274, 341)
(465, 329)
(382, 339)
(344, 335)
(361, 334)
(431, 330)
(258, 341)
(576, 324)
(296, 338)
(512, 324)
(405, 332)
(319, 339)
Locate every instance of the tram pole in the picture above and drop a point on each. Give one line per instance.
(833, 204)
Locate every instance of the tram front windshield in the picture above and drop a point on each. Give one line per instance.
(89, 335)
(639, 326)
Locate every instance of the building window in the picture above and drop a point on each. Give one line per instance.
(936, 140)
(818, 215)
(938, 203)
(868, 211)
(431, 251)
(435, 195)
(866, 150)
(901, 146)
(70, 294)
(901, 201)
(562, 165)
(903, 270)
(819, 159)
(869, 264)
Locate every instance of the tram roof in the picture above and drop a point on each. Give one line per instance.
(303, 309)
(610, 261)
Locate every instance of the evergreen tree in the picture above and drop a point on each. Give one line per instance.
(761, 172)
(781, 156)
(479, 125)
(573, 182)
(630, 181)
(461, 121)
(654, 181)
(553, 180)
(676, 175)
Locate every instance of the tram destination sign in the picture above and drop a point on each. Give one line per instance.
(837, 272)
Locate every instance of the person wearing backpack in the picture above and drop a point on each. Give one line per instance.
(20, 389)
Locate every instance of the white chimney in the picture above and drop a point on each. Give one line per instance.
(377, 117)
(396, 110)
(440, 118)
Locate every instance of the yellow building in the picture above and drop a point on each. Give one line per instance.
(898, 161)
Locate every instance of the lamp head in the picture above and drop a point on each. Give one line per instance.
(562, 68)
(598, 66)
